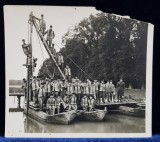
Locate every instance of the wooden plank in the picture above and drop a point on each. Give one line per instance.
(15, 109)
(116, 103)
(16, 94)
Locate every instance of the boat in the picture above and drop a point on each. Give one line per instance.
(62, 118)
(65, 117)
(95, 115)
(137, 111)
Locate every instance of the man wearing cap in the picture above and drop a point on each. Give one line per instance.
(41, 94)
(53, 50)
(35, 88)
(55, 88)
(120, 89)
(107, 92)
(51, 105)
(112, 91)
(24, 87)
(86, 89)
(66, 101)
(69, 89)
(84, 103)
(27, 51)
(91, 103)
(63, 88)
(97, 89)
(47, 88)
(50, 35)
(79, 90)
(58, 103)
(67, 72)
(101, 92)
(73, 101)
(93, 90)
(42, 24)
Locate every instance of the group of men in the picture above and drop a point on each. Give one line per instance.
(69, 93)
(52, 94)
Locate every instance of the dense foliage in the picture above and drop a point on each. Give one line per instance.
(106, 47)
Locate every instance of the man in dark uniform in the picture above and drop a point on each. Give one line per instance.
(120, 89)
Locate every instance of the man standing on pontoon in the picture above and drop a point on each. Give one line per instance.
(67, 72)
(120, 89)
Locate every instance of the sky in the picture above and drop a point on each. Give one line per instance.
(16, 29)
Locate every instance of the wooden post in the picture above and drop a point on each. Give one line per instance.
(30, 66)
(19, 101)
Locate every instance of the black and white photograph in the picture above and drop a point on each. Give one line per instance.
(76, 72)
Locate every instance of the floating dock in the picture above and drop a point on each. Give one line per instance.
(115, 105)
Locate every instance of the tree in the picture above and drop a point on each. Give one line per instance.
(107, 47)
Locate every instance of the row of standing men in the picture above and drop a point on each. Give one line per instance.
(101, 92)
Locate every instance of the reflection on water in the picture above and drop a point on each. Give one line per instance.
(113, 123)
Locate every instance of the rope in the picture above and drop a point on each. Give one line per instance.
(43, 55)
(74, 63)
(28, 33)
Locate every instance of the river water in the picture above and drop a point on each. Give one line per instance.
(113, 123)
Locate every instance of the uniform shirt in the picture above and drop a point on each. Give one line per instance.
(97, 86)
(75, 88)
(35, 85)
(107, 87)
(63, 86)
(55, 87)
(69, 89)
(67, 71)
(86, 89)
(60, 59)
(66, 99)
(41, 91)
(93, 89)
(79, 89)
(47, 87)
(51, 102)
(91, 102)
(120, 86)
(73, 100)
(42, 24)
(102, 87)
(58, 101)
(50, 34)
(111, 88)
(84, 101)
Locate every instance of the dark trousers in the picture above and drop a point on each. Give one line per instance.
(78, 99)
(35, 96)
(49, 42)
(46, 98)
(68, 77)
(120, 93)
(62, 93)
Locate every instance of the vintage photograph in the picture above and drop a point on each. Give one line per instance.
(76, 72)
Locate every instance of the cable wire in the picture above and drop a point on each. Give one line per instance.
(43, 55)
(74, 62)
